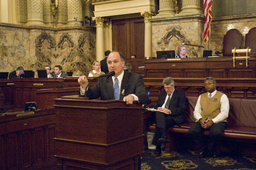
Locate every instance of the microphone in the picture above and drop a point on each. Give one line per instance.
(110, 74)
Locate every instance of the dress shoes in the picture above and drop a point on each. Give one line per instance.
(163, 141)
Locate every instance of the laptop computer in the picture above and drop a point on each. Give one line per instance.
(29, 74)
(165, 54)
(4, 75)
(207, 53)
(41, 73)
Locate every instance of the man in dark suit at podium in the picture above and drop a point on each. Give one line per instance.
(171, 106)
(123, 85)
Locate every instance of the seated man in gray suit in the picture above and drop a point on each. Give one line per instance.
(123, 85)
(171, 105)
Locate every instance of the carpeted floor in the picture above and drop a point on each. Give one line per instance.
(189, 160)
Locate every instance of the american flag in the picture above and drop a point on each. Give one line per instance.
(207, 19)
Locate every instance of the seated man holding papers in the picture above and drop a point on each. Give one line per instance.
(171, 106)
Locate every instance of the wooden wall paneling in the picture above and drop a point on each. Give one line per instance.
(237, 73)
(220, 73)
(2, 157)
(157, 73)
(120, 36)
(18, 97)
(137, 34)
(25, 148)
(26, 96)
(33, 94)
(39, 146)
(190, 73)
(12, 151)
(8, 94)
(175, 73)
(49, 139)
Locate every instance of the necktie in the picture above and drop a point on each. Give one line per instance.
(116, 90)
(168, 102)
(210, 95)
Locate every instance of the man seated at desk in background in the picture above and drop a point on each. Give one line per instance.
(211, 113)
(18, 73)
(48, 71)
(123, 85)
(58, 73)
(182, 51)
(171, 106)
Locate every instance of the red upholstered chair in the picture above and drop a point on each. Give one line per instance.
(232, 39)
(250, 41)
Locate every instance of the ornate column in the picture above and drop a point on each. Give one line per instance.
(47, 12)
(22, 11)
(35, 12)
(107, 34)
(148, 33)
(190, 7)
(88, 8)
(166, 8)
(99, 38)
(75, 13)
(62, 15)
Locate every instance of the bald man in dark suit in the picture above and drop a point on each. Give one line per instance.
(131, 85)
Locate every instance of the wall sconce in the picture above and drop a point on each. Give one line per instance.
(54, 10)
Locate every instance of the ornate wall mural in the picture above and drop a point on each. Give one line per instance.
(175, 36)
(170, 34)
(13, 49)
(73, 49)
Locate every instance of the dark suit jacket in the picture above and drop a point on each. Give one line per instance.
(177, 105)
(13, 75)
(131, 84)
(104, 65)
(63, 75)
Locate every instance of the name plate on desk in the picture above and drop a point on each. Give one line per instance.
(38, 84)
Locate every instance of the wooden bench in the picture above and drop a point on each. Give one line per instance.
(241, 124)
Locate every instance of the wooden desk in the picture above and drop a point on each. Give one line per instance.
(217, 67)
(25, 89)
(27, 140)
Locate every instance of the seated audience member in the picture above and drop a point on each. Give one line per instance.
(18, 73)
(133, 56)
(124, 85)
(211, 113)
(96, 70)
(181, 53)
(171, 105)
(127, 67)
(48, 71)
(58, 73)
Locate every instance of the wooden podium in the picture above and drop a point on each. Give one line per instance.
(98, 134)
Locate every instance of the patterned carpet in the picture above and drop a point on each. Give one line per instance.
(189, 160)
